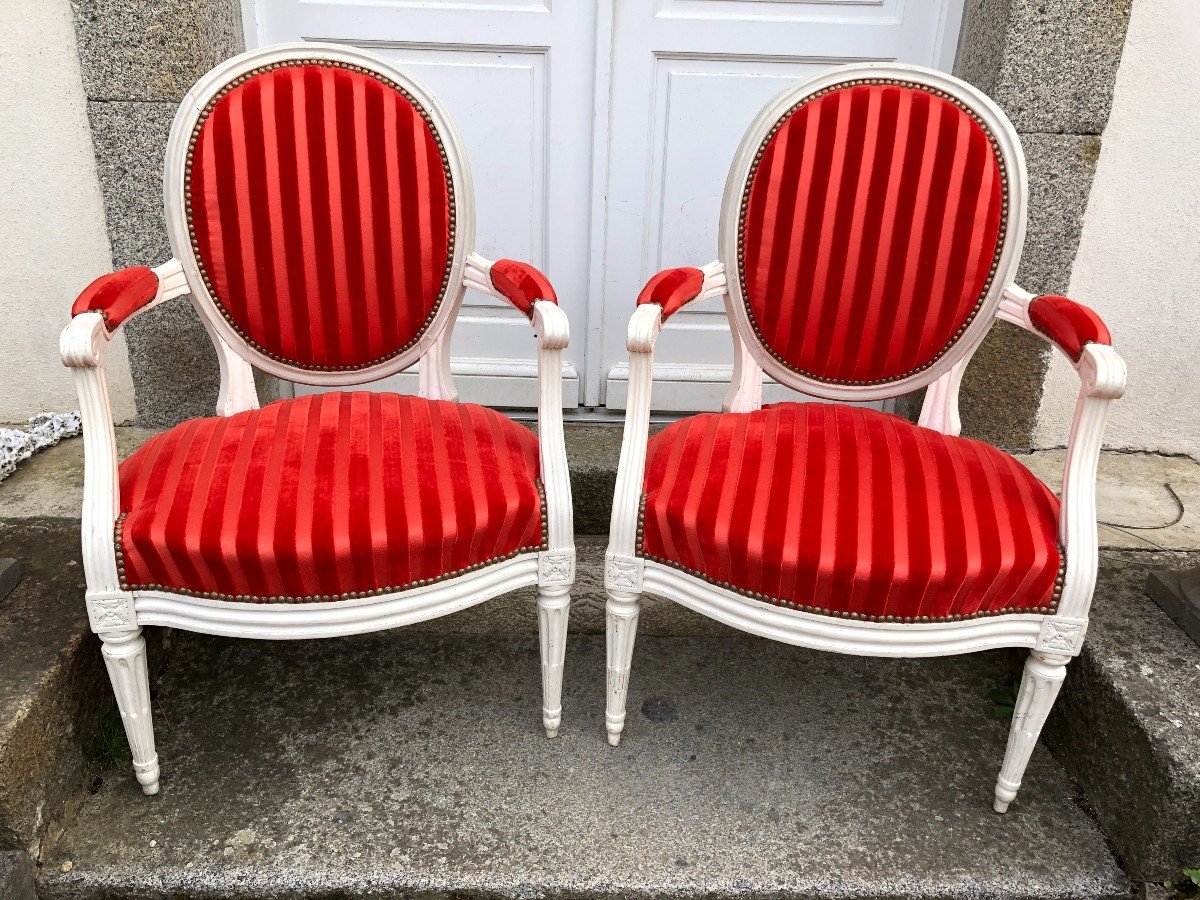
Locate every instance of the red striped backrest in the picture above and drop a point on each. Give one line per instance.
(320, 210)
(871, 225)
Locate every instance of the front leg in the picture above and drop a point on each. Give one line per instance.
(1039, 688)
(553, 610)
(125, 658)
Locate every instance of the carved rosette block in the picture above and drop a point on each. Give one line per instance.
(622, 573)
(1061, 636)
(556, 568)
(111, 613)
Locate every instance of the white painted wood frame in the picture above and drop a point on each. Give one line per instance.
(118, 616)
(1052, 639)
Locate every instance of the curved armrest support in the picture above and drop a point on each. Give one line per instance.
(621, 563)
(1080, 334)
(553, 334)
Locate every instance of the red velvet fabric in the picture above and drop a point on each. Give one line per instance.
(521, 284)
(327, 496)
(1068, 324)
(850, 512)
(118, 295)
(672, 289)
(320, 213)
(871, 225)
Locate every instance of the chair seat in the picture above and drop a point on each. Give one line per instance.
(327, 497)
(850, 512)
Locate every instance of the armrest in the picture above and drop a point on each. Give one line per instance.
(100, 309)
(119, 296)
(664, 294)
(674, 289)
(507, 279)
(1069, 325)
(1082, 336)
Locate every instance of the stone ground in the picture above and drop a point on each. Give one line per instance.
(416, 764)
(841, 772)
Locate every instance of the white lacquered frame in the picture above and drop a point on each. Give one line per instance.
(117, 615)
(1053, 639)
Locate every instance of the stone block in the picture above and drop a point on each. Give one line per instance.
(152, 50)
(1060, 64)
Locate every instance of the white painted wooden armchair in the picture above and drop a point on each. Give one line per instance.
(872, 223)
(322, 219)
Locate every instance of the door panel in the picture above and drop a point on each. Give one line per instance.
(515, 76)
(688, 77)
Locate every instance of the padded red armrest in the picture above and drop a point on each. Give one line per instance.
(672, 289)
(1068, 324)
(521, 284)
(118, 295)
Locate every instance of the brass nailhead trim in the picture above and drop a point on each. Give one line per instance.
(842, 614)
(450, 197)
(744, 210)
(326, 598)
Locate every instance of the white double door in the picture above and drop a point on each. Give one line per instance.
(599, 134)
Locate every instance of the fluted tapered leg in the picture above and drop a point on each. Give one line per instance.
(552, 630)
(622, 619)
(125, 657)
(1039, 688)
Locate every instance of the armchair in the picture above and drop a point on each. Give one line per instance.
(321, 217)
(871, 226)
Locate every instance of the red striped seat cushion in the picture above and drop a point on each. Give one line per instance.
(872, 222)
(850, 512)
(320, 211)
(326, 497)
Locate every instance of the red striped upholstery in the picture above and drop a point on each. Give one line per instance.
(118, 295)
(672, 289)
(850, 512)
(872, 223)
(320, 212)
(327, 496)
(521, 284)
(1068, 324)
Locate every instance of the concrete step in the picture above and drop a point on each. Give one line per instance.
(415, 765)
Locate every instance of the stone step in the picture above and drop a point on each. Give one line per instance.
(1125, 729)
(54, 692)
(415, 765)
(1126, 726)
(50, 679)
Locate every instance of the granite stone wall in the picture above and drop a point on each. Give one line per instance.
(1051, 66)
(138, 58)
